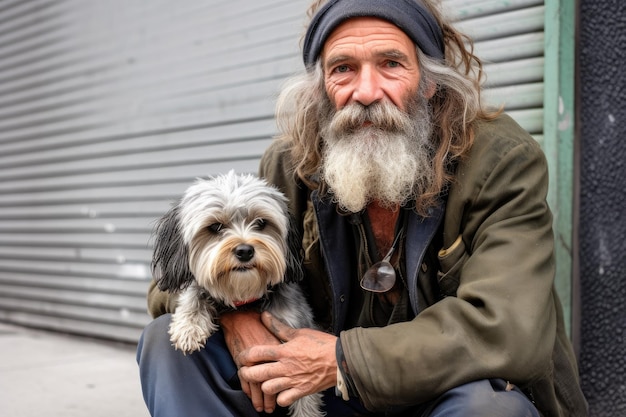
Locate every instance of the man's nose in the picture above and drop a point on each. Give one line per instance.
(368, 88)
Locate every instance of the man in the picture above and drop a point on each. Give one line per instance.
(386, 152)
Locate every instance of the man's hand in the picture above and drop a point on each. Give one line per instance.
(242, 330)
(304, 364)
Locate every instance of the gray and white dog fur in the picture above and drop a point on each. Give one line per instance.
(225, 244)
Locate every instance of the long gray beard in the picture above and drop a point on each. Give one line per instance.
(389, 160)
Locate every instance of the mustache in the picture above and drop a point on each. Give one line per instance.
(380, 115)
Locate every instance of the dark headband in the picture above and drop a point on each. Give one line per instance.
(409, 15)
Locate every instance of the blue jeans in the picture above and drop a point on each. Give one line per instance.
(205, 384)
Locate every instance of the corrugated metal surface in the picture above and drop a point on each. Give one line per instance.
(509, 38)
(108, 110)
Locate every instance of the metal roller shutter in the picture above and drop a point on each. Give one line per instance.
(108, 110)
(509, 38)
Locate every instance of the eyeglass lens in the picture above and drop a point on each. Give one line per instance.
(381, 277)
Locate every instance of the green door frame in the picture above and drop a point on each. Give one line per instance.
(559, 134)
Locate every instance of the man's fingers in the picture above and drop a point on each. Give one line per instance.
(288, 397)
(258, 355)
(276, 386)
(256, 396)
(269, 402)
(245, 387)
(261, 401)
(260, 373)
(281, 330)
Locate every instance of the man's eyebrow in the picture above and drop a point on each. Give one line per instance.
(333, 60)
(393, 54)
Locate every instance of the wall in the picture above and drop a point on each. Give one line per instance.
(602, 219)
(108, 111)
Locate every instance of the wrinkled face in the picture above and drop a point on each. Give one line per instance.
(376, 121)
(366, 60)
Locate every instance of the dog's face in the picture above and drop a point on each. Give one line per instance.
(231, 233)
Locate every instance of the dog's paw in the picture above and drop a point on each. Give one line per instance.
(187, 344)
(188, 338)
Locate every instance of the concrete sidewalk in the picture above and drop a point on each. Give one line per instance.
(55, 375)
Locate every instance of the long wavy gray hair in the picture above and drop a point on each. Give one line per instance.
(456, 108)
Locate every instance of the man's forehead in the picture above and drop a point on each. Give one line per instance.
(379, 36)
(410, 16)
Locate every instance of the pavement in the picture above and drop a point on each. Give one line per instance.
(57, 375)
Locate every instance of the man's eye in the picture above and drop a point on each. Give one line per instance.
(342, 68)
(260, 224)
(393, 64)
(215, 227)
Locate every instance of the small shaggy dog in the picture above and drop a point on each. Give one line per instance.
(225, 246)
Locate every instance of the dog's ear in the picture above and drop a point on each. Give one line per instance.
(294, 271)
(170, 259)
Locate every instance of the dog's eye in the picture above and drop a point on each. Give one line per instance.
(260, 224)
(215, 227)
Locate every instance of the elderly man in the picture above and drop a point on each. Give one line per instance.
(386, 153)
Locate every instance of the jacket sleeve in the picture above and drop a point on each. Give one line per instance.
(160, 302)
(502, 321)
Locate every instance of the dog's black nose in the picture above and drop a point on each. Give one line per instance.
(244, 252)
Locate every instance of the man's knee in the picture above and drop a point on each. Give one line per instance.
(492, 397)
(156, 350)
(175, 383)
(158, 328)
(155, 336)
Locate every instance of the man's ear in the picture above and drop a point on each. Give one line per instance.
(431, 89)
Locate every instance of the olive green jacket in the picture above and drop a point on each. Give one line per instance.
(483, 292)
